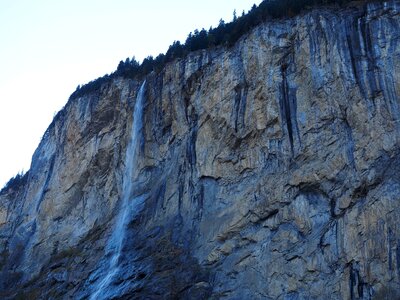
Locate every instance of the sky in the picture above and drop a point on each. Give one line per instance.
(48, 48)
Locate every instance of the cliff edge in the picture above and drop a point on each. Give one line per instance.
(269, 170)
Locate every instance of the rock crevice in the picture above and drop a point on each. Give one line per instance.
(268, 170)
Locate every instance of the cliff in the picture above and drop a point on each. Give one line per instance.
(269, 170)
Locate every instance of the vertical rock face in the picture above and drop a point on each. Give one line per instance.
(269, 170)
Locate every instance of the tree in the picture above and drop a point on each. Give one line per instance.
(120, 67)
(226, 34)
(147, 65)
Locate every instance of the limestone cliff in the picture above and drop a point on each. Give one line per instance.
(269, 170)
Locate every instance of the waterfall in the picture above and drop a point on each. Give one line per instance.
(128, 206)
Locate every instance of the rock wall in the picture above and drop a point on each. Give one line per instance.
(269, 170)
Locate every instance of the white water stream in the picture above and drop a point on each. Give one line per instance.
(128, 206)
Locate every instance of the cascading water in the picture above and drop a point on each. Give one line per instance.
(128, 206)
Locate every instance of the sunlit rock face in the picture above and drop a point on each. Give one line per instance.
(269, 170)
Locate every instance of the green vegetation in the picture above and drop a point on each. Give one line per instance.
(15, 183)
(226, 34)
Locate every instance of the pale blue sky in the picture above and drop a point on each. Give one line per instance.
(48, 47)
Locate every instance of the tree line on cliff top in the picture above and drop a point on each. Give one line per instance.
(226, 34)
(15, 182)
